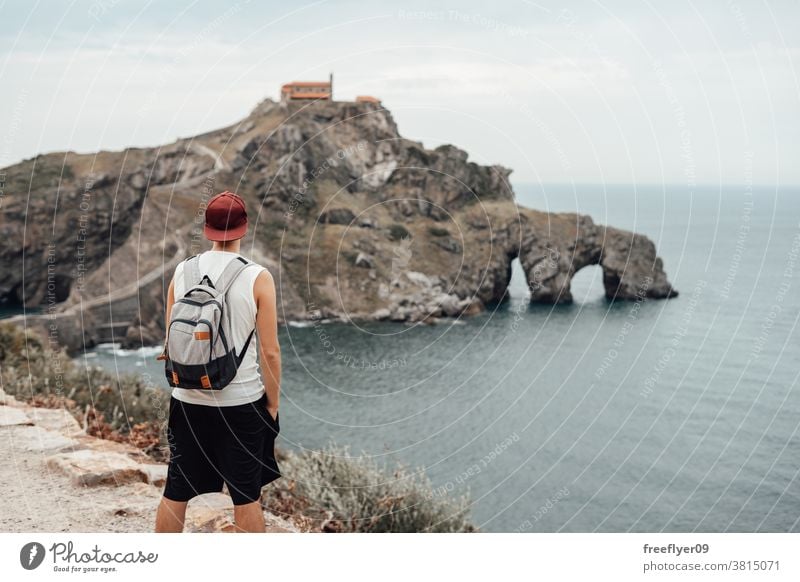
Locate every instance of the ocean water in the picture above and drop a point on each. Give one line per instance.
(677, 415)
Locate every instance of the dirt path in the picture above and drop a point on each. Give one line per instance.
(55, 478)
(38, 498)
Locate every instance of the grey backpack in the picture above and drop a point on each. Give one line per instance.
(198, 351)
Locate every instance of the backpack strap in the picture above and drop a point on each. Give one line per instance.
(243, 351)
(191, 272)
(232, 270)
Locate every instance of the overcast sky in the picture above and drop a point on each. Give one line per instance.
(676, 92)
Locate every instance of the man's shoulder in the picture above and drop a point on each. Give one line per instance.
(179, 268)
(253, 265)
(180, 265)
(190, 257)
(262, 278)
(256, 266)
(252, 271)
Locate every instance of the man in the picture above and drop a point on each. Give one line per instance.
(227, 435)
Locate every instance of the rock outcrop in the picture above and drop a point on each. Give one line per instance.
(353, 221)
(630, 266)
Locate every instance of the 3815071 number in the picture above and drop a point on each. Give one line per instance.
(765, 565)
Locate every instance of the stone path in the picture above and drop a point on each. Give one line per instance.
(56, 478)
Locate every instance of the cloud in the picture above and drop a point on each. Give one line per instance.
(471, 79)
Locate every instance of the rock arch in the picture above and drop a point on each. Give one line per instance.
(552, 255)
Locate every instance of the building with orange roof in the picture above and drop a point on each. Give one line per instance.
(299, 90)
(316, 91)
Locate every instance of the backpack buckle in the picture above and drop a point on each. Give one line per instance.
(205, 382)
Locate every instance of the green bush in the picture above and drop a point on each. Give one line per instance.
(438, 231)
(398, 231)
(48, 172)
(350, 256)
(364, 497)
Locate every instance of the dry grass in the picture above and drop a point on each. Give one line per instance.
(337, 492)
(123, 408)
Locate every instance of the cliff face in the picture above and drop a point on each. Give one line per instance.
(353, 220)
(40, 245)
(64, 215)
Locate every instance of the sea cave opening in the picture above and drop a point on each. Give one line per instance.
(587, 285)
(518, 285)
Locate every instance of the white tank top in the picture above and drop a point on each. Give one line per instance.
(246, 385)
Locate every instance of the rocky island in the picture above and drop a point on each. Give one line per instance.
(354, 221)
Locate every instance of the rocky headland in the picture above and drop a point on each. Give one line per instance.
(354, 221)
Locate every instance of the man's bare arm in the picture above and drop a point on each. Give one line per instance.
(270, 350)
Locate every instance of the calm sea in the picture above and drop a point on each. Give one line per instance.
(677, 415)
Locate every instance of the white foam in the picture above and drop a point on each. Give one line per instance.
(143, 352)
(108, 346)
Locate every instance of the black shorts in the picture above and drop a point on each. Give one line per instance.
(212, 445)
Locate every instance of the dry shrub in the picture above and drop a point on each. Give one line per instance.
(340, 492)
(147, 436)
(96, 425)
(52, 401)
(123, 408)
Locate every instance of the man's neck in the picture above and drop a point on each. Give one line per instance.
(229, 247)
